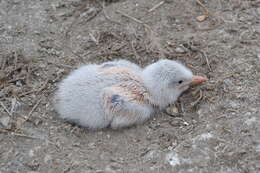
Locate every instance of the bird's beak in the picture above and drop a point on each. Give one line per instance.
(197, 80)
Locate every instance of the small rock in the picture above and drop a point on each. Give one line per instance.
(180, 50)
(204, 136)
(258, 55)
(257, 148)
(151, 155)
(113, 167)
(251, 121)
(172, 110)
(5, 120)
(47, 159)
(258, 13)
(31, 153)
(228, 82)
(33, 165)
(92, 145)
(2, 75)
(186, 123)
(19, 83)
(201, 18)
(37, 121)
(173, 159)
(233, 105)
(77, 144)
(177, 21)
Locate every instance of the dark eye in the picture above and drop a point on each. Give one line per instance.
(180, 82)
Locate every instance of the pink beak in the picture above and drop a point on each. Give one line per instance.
(197, 80)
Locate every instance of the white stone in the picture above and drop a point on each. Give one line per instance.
(180, 50)
(258, 55)
(173, 159)
(5, 121)
(250, 121)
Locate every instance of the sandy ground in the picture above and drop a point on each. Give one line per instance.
(213, 128)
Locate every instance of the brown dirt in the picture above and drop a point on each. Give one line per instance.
(214, 128)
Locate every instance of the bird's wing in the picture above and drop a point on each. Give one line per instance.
(124, 107)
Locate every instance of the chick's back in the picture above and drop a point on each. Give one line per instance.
(79, 99)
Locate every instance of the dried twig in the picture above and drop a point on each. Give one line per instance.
(134, 50)
(8, 112)
(67, 35)
(3, 63)
(93, 38)
(35, 90)
(16, 134)
(156, 6)
(15, 59)
(14, 100)
(136, 20)
(26, 93)
(152, 33)
(43, 86)
(165, 112)
(197, 101)
(203, 6)
(106, 16)
(221, 116)
(75, 53)
(182, 107)
(14, 80)
(130, 17)
(61, 65)
(109, 19)
(28, 74)
(78, 16)
(207, 60)
(33, 109)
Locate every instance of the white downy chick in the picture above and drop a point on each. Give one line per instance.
(120, 93)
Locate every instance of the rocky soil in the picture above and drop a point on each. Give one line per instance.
(212, 128)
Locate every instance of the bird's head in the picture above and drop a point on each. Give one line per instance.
(167, 79)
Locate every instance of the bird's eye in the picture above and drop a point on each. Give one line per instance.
(180, 82)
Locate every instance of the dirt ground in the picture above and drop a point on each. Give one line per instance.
(212, 128)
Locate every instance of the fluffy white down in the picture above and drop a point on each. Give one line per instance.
(79, 100)
(78, 97)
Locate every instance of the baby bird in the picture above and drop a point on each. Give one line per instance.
(120, 93)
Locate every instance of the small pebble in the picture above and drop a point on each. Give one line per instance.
(251, 121)
(5, 121)
(173, 159)
(47, 159)
(172, 110)
(258, 55)
(180, 50)
(2, 75)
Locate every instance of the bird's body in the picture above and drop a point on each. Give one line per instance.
(114, 94)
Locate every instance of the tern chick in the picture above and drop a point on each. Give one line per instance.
(120, 93)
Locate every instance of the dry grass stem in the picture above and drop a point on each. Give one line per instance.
(16, 134)
(197, 101)
(5, 108)
(134, 50)
(204, 8)
(206, 58)
(130, 17)
(33, 109)
(156, 6)
(106, 16)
